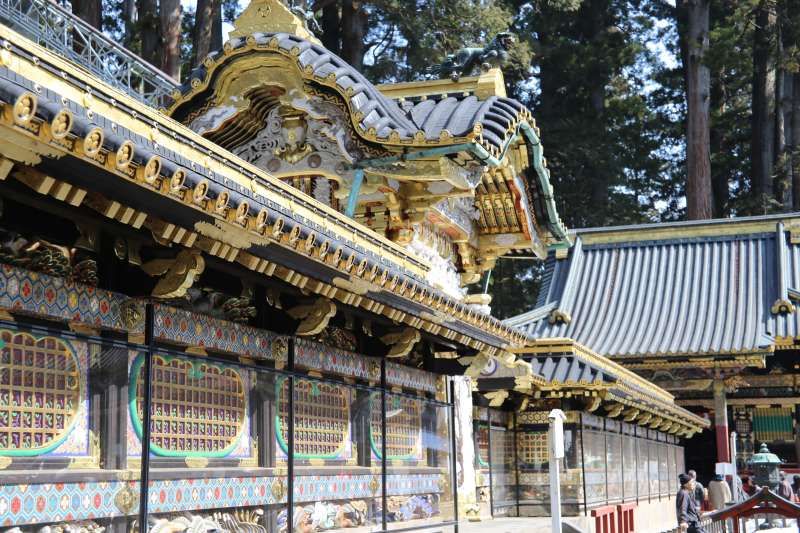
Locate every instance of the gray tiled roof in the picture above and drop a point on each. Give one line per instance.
(454, 112)
(706, 294)
(562, 369)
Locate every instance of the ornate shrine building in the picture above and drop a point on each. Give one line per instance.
(705, 310)
(241, 304)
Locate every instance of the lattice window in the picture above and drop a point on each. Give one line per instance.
(532, 448)
(40, 393)
(198, 408)
(403, 427)
(321, 420)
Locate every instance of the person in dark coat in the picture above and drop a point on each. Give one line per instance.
(687, 510)
(699, 490)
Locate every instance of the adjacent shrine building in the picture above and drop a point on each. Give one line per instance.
(706, 310)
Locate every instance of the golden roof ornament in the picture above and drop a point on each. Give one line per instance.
(272, 16)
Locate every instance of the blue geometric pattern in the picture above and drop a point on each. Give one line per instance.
(60, 502)
(27, 292)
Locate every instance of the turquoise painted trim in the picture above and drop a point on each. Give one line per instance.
(555, 225)
(373, 445)
(352, 199)
(136, 367)
(33, 452)
(284, 446)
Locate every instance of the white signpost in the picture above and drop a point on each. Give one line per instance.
(556, 452)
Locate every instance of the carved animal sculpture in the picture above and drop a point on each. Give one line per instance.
(179, 274)
(401, 342)
(314, 316)
(465, 61)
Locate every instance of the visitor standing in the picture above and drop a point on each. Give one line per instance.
(748, 486)
(784, 489)
(796, 487)
(699, 490)
(688, 512)
(719, 493)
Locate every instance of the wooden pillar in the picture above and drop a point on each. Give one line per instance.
(721, 422)
(797, 427)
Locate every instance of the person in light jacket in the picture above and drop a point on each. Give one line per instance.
(687, 511)
(719, 493)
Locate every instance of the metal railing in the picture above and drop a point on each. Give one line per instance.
(56, 29)
(763, 510)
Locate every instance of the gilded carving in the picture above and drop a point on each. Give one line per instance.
(126, 499)
(25, 108)
(61, 124)
(314, 317)
(124, 155)
(177, 275)
(402, 342)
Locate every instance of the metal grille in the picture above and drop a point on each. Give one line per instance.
(58, 30)
(321, 419)
(403, 427)
(40, 391)
(197, 408)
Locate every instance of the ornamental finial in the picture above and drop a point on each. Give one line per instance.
(467, 60)
(274, 16)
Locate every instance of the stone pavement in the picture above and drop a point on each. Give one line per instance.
(508, 525)
(542, 525)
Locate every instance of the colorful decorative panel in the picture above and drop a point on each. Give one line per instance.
(336, 487)
(347, 486)
(23, 291)
(61, 502)
(174, 495)
(410, 378)
(321, 419)
(773, 424)
(313, 355)
(409, 484)
(193, 329)
(43, 395)
(199, 409)
(403, 427)
(316, 356)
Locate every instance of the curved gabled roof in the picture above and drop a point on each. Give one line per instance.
(486, 128)
(450, 119)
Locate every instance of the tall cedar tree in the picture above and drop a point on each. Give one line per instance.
(205, 39)
(763, 119)
(171, 15)
(697, 77)
(90, 11)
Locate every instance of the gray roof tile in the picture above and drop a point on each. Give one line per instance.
(698, 295)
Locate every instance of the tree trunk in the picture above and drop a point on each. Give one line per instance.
(331, 32)
(129, 22)
(795, 141)
(597, 11)
(171, 34)
(699, 200)
(216, 29)
(354, 23)
(781, 162)
(90, 11)
(203, 29)
(720, 177)
(763, 118)
(148, 21)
